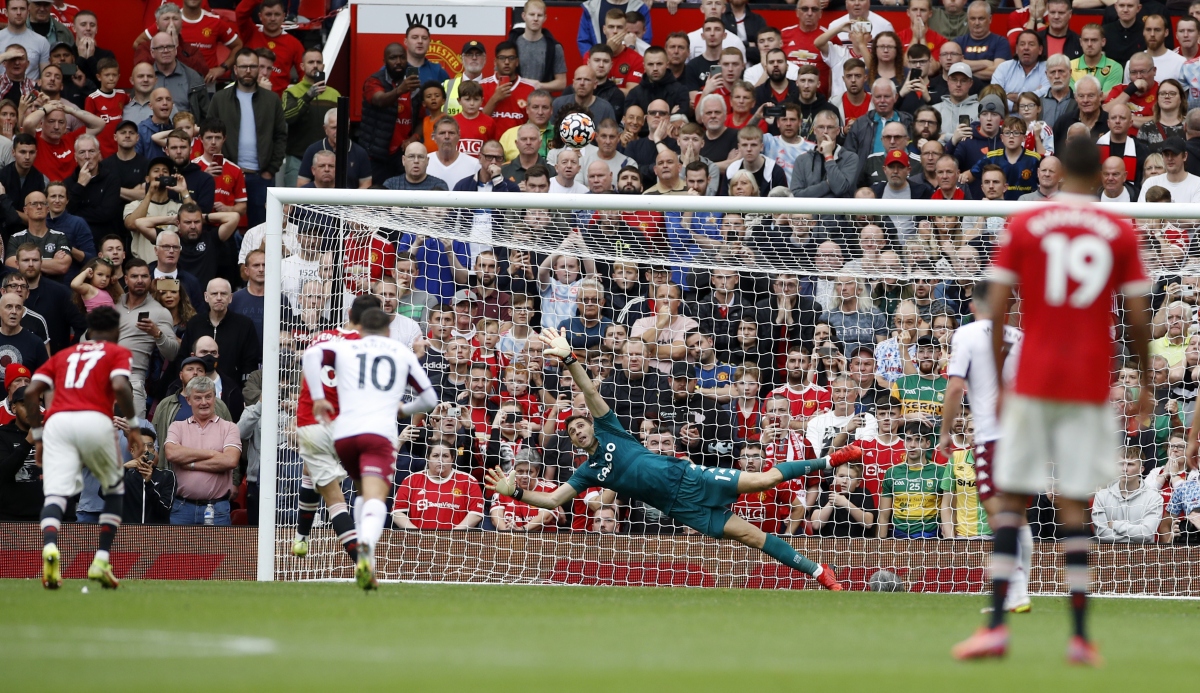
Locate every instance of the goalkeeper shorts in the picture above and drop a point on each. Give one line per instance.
(704, 498)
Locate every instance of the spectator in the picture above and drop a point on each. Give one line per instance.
(415, 176)
(508, 514)
(358, 164)
(448, 499)
(1094, 62)
(20, 470)
(1140, 94)
(590, 22)
(149, 491)
(1183, 186)
(1089, 114)
(161, 119)
(79, 236)
(237, 338)
(56, 143)
(1059, 99)
(203, 451)
(1127, 511)
(84, 25)
(827, 170)
(504, 92)
(146, 327)
(658, 83)
(864, 138)
(664, 332)
(1172, 324)
(751, 159)
(53, 246)
(248, 301)
(155, 201)
(168, 19)
(666, 167)
(618, 62)
(229, 182)
(256, 143)
(200, 186)
(14, 85)
(449, 164)
(1168, 115)
(175, 407)
(930, 151)
(846, 509)
(963, 516)
(187, 87)
(1025, 72)
(911, 490)
(18, 32)
(94, 193)
(19, 344)
(583, 93)
(288, 50)
(1117, 187)
(983, 51)
(474, 59)
(389, 121)
(1017, 163)
(1049, 180)
(305, 105)
(543, 64)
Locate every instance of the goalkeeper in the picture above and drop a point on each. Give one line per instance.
(699, 497)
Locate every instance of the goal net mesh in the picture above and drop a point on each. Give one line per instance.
(729, 338)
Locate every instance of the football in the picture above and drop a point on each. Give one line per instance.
(577, 130)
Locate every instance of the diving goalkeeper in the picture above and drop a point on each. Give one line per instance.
(699, 497)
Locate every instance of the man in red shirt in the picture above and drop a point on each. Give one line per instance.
(505, 95)
(764, 509)
(289, 52)
(1140, 94)
(86, 379)
(807, 399)
(439, 497)
(799, 40)
(56, 146)
(202, 30)
(230, 185)
(1071, 261)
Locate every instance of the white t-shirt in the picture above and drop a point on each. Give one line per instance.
(1123, 197)
(373, 375)
(576, 187)
(405, 330)
(698, 45)
(824, 427)
(1166, 66)
(464, 166)
(294, 273)
(1186, 190)
(971, 358)
(878, 26)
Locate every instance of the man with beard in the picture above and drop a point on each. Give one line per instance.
(201, 187)
(146, 327)
(723, 308)
(780, 85)
(390, 119)
(637, 391)
(496, 303)
(288, 50)
(658, 83)
(256, 137)
(921, 394)
(810, 99)
(1059, 98)
(201, 241)
(20, 471)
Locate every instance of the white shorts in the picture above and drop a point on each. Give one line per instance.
(72, 440)
(1067, 447)
(318, 454)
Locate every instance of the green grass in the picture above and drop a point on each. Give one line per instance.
(217, 637)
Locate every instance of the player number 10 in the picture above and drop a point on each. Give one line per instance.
(362, 372)
(1085, 259)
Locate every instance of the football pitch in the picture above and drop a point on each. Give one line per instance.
(229, 636)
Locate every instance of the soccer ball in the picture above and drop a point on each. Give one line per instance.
(885, 581)
(577, 130)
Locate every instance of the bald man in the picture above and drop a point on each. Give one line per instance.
(599, 178)
(667, 167)
(415, 176)
(1116, 186)
(583, 92)
(1049, 179)
(162, 110)
(236, 338)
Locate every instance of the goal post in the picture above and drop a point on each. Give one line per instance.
(691, 238)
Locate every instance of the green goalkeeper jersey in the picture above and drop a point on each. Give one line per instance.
(621, 463)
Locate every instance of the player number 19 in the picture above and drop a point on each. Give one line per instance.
(1085, 259)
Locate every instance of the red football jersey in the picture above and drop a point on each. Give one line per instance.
(581, 517)
(626, 68)
(518, 513)
(806, 402)
(304, 415)
(287, 48)
(439, 504)
(765, 509)
(65, 14)
(6, 414)
(57, 161)
(1069, 259)
(1139, 104)
(365, 257)
(510, 112)
(231, 186)
(796, 39)
(473, 132)
(109, 107)
(876, 460)
(81, 376)
(795, 447)
(749, 421)
(205, 33)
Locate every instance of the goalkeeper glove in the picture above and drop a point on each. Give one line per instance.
(557, 345)
(504, 485)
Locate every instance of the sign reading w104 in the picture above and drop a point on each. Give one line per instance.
(441, 19)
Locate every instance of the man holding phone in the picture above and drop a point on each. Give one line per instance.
(505, 93)
(230, 192)
(146, 327)
(304, 106)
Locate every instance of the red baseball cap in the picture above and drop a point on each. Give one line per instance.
(896, 156)
(15, 370)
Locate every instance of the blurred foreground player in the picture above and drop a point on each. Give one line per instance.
(1070, 260)
(373, 374)
(699, 497)
(973, 368)
(323, 473)
(85, 379)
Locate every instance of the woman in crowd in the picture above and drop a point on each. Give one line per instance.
(1170, 111)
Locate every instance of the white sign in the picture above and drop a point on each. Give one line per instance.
(440, 19)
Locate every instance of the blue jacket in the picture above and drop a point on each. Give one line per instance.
(589, 24)
(145, 146)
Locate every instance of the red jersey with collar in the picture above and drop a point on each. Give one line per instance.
(581, 517)
(304, 415)
(796, 39)
(432, 504)
(205, 33)
(807, 401)
(519, 513)
(509, 112)
(109, 108)
(81, 376)
(1140, 105)
(876, 460)
(765, 509)
(65, 14)
(1069, 259)
(287, 48)
(626, 68)
(366, 259)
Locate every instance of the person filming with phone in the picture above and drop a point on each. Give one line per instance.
(146, 327)
(305, 104)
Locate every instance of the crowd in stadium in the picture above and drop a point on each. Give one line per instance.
(151, 199)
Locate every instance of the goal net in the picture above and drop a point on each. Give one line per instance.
(734, 332)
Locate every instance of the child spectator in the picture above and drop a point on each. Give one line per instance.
(94, 286)
(474, 126)
(845, 509)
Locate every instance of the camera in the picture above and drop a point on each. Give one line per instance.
(166, 181)
(454, 412)
(511, 417)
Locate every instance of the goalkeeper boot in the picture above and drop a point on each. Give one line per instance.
(102, 572)
(300, 548)
(986, 642)
(51, 567)
(1082, 652)
(845, 454)
(364, 572)
(828, 579)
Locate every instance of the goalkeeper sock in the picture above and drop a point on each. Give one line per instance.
(374, 512)
(798, 468)
(783, 552)
(1004, 562)
(110, 520)
(310, 500)
(53, 509)
(343, 526)
(1076, 544)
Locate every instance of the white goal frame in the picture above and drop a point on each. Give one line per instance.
(278, 197)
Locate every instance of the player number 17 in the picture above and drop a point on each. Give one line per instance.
(89, 359)
(1085, 259)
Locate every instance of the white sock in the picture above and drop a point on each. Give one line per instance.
(374, 513)
(101, 555)
(1025, 561)
(358, 506)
